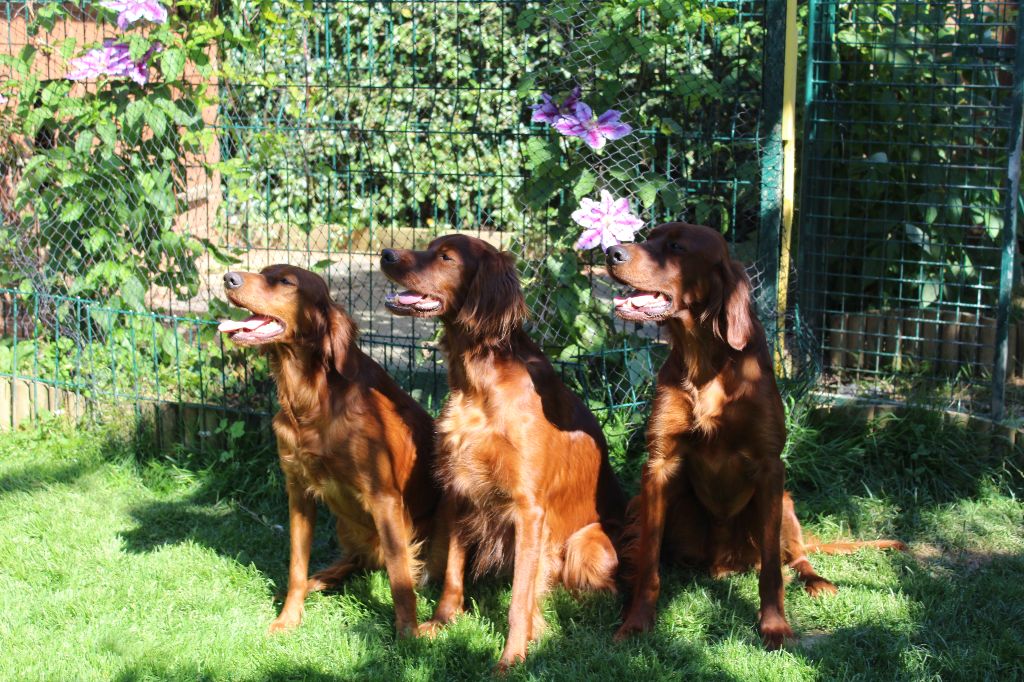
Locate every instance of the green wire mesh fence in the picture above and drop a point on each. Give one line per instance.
(359, 125)
(910, 201)
(386, 124)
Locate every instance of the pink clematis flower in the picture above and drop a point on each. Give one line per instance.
(549, 112)
(594, 131)
(132, 11)
(3, 100)
(113, 59)
(606, 222)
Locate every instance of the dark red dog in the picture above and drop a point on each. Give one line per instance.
(346, 433)
(712, 489)
(523, 461)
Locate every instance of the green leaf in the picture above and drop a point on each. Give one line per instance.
(584, 184)
(620, 174)
(564, 11)
(107, 130)
(66, 48)
(29, 88)
(34, 121)
(72, 211)
(538, 151)
(526, 85)
(97, 240)
(648, 189)
(172, 63)
(954, 208)
(84, 142)
(570, 353)
(225, 258)
(134, 111)
(156, 120)
(525, 19)
(669, 126)
(237, 429)
(133, 291)
(26, 57)
(930, 292)
(54, 92)
(670, 197)
(138, 45)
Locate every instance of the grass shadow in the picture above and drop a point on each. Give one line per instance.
(33, 477)
(871, 476)
(947, 640)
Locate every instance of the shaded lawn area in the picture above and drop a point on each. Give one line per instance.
(120, 563)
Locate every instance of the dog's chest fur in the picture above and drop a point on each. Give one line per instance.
(304, 429)
(475, 452)
(475, 463)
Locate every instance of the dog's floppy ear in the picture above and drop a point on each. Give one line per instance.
(338, 335)
(730, 307)
(494, 305)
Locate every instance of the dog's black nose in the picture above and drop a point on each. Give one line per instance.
(388, 256)
(617, 255)
(232, 280)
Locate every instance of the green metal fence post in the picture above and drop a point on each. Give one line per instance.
(1009, 228)
(772, 152)
(820, 29)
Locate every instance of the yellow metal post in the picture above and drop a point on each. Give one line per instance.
(788, 176)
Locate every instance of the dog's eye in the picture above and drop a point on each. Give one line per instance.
(677, 247)
(445, 256)
(287, 282)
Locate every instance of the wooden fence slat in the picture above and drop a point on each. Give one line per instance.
(987, 339)
(968, 339)
(837, 341)
(950, 332)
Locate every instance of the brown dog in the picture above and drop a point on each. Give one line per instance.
(523, 461)
(346, 433)
(712, 489)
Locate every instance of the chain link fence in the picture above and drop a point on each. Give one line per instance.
(359, 125)
(370, 125)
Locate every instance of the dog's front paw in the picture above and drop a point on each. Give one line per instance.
(638, 621)
(430, 628)
(509, 659)
(774, 630)
(285, 622)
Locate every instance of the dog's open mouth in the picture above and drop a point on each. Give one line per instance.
(412, 303)
(642, 305)
(253, 330)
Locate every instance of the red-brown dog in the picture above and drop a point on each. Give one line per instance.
(346, 433)
(523, 461)
(712, 489)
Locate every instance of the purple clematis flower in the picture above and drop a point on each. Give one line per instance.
(594, 131)
(113, 59)
(606, 222)
(549, 112)
(132, 11)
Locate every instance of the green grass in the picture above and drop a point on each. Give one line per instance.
(117, 562)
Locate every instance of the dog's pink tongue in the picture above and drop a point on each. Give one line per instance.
(641, 300)
(409, 298)
(248, 324)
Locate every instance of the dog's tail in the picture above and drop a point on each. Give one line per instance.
(590, 560)
(851, 547)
